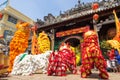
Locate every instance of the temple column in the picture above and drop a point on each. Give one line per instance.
(52, 37)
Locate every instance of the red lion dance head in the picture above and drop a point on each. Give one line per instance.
(61, 61)
(92, 56)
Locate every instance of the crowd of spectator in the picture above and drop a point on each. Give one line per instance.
(113, 61)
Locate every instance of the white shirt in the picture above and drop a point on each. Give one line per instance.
(108, 63)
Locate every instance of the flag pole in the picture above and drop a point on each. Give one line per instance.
(8, 3)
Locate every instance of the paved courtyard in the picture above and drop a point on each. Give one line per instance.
(94, 76)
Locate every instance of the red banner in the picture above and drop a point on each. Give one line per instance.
(73, 31)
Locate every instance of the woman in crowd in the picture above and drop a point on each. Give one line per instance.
(113, 61)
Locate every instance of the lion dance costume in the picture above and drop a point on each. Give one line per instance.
(19, 43)
(92, 56)
(61, 61)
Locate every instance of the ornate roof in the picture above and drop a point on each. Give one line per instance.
(79, 11)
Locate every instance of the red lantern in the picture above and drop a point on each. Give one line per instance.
(1, 36)
(1, 15)
(95, 16)
(95, 6)
(34, 28)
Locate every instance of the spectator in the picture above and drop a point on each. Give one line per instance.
(117, 55)
(111, 55)
(114, 65)
(109, 66)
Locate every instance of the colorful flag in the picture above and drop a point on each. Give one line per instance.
(116, 22)
(117, 36)
(3, 4)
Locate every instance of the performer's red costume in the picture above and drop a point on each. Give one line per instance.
(61, 61)
(92, 56)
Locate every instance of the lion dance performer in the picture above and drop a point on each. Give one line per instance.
(19, 43)
(61, 61)
(43, 42)
(92, 56)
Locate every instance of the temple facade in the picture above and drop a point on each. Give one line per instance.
(70, 25)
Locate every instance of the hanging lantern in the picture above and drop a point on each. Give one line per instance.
(1, 36)
(1, 15)
(95, 6)
(95, 17)
(34, 28)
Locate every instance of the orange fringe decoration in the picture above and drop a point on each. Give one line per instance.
(19, 43)
(34, 49)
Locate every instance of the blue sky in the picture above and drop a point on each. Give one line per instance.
(40, 8)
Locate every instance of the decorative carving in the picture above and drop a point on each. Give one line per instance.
(49, 19)
(80, 9)
(46, 19)
(40, 22)
(99, 27)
